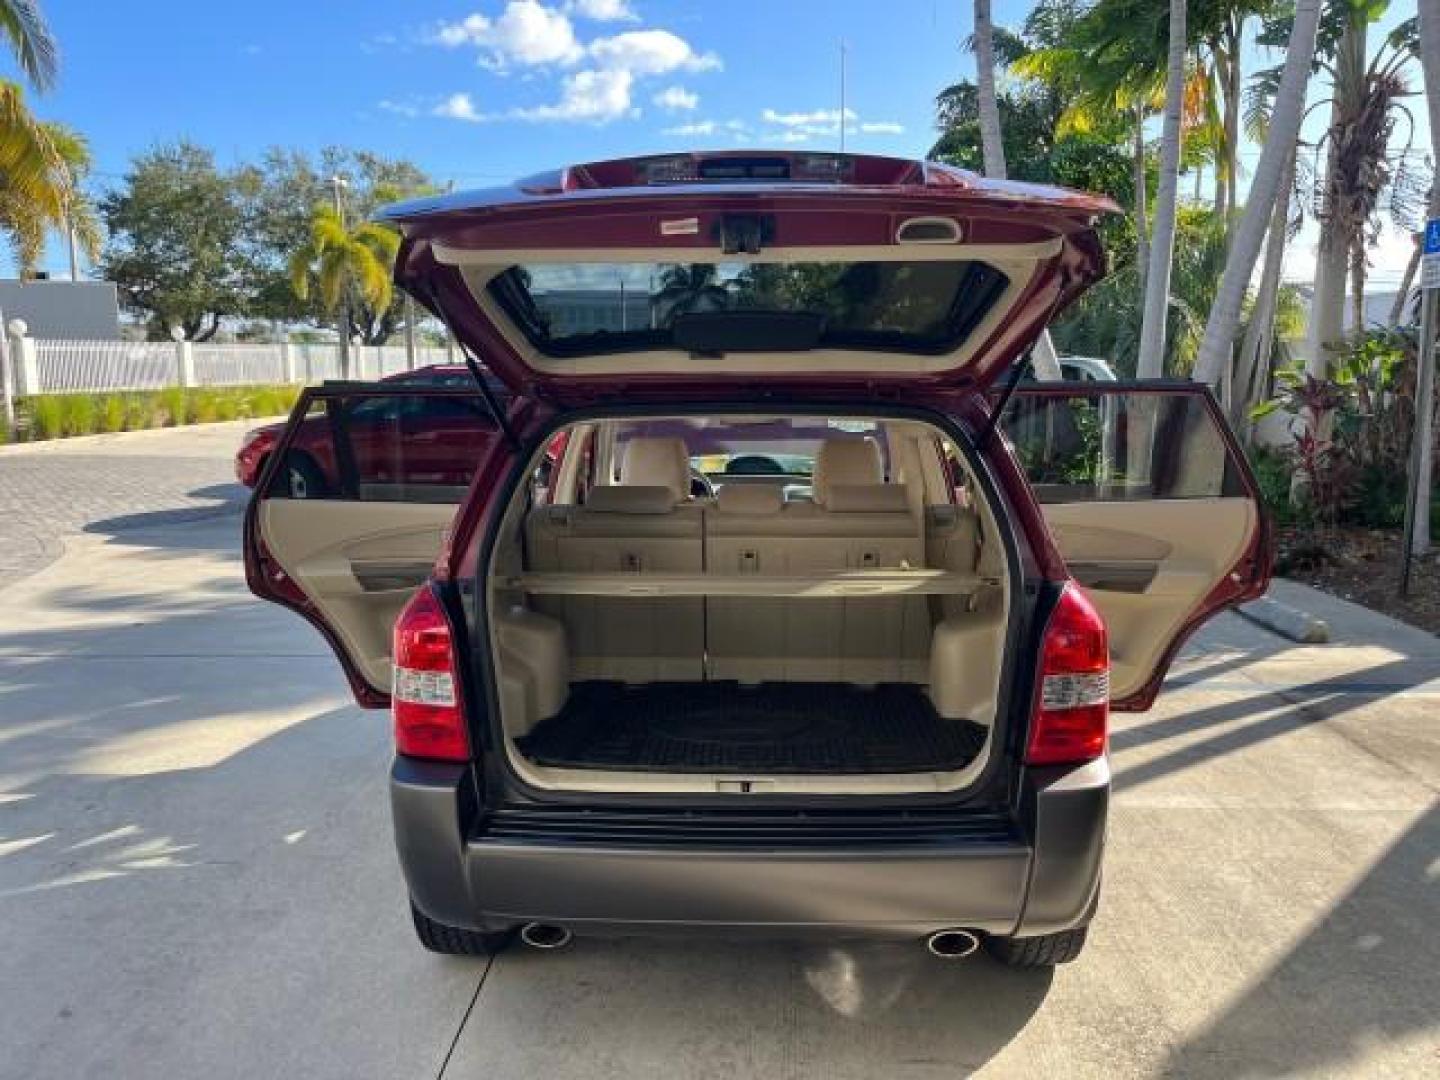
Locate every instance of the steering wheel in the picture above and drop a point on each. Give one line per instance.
(700, 485)
(753, 465)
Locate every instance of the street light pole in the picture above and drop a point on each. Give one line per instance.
(338, 184)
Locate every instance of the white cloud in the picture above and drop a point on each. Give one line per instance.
(604, 10)
(677, 99)
(807, 119)
(538, 37)
(459, 107)
(399, 108)
(594, 96)
(798, 126)
(650, 52)
(698, 127)
(526, 33)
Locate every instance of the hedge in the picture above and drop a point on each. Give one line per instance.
(57, 416)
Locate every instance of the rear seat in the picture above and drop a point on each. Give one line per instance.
(855, 522)
(644, 524)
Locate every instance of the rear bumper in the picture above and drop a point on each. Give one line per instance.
(628, 875)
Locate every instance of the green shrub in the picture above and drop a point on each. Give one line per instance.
(46, 419)
(79, 413)
(112, 413)
(204, 406)
(174, 405)
(1273, 471)
(52, 416)
(140, 412)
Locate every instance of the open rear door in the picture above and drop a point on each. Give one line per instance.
(1153, 506)
(351, 511)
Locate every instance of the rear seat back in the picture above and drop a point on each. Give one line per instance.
(632, 528)
(856, 522)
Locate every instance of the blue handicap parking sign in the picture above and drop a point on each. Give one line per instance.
(1432, 237)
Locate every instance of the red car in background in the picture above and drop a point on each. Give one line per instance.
(438, 436)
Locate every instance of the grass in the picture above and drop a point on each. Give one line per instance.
(57, 416)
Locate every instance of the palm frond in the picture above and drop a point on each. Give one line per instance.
(29, 163)
(31, 42)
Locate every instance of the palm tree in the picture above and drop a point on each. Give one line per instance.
(1042, 357)
(692, 287)
(27, 220)
(1429, 28)
(351, 268)
(38, 162)
(1365, 99)
(1151, 361)
(1265, 208)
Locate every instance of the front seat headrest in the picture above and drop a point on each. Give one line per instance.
(657, 462)
(848, 462)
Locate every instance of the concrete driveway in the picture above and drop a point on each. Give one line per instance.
(196, 874)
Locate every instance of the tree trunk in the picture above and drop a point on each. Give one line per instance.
(1151, 362)
(1357, 286)
(992, 146)
(1142, 225)
(1407, 279)
(1233, 27)
(1430, 63)
(1251, 376)
(1265, 191)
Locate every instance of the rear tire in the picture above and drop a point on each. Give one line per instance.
(455, 940)
(1046, 950)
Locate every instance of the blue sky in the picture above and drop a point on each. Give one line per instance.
(477, 91)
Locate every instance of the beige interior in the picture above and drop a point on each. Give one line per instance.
(874, 580)
(1112, 547)
(358, 562)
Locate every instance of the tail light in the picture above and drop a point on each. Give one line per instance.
(1072, 703)
(425, 693)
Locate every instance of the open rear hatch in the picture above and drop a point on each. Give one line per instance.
(649, 277)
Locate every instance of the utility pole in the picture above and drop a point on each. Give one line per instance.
(842, 95)
(338, 184)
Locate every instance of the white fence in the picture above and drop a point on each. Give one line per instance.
(65, 367)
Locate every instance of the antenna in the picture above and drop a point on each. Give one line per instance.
(842, 95)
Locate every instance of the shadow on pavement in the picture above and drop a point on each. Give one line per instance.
(228, 499)
(635, 1007)
(1366, 975)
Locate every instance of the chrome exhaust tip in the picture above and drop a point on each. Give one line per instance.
(545, 935)
(952, 944)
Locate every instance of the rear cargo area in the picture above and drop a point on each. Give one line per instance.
(819, 608)
(773, 727)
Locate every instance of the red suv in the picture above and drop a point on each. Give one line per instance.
(771, 602)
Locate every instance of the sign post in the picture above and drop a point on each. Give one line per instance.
(1417, 500)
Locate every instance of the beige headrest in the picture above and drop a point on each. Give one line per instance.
(657, 462)
(867, 499)
(633, 499)
(749, 499)
(845, 461)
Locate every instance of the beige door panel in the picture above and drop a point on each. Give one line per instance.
(358, 562)
(1149, 565)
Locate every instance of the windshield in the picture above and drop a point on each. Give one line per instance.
(568, 309)
(768, 447)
